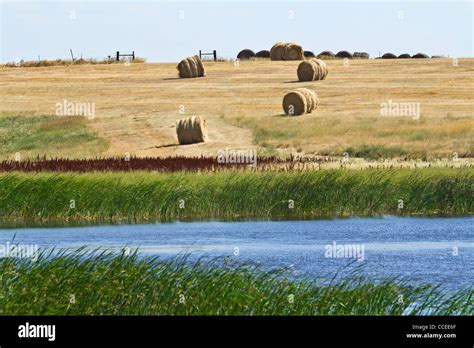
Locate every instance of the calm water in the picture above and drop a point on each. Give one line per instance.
(426, 250)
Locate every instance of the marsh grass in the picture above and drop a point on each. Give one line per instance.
(102, 283)
(153, 196)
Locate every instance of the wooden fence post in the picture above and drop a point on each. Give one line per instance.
(215, 56)
(118, 56)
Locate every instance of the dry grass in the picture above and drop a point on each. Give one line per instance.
(138, 105)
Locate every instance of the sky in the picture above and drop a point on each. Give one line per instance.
(167, 31)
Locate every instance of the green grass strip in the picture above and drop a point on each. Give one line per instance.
(147, 196)
(93, 283)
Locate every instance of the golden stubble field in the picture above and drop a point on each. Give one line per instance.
(137, 105)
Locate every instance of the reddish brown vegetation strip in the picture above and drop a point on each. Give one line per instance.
(167, 164)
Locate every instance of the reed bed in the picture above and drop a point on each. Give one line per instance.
(212, 164)
(152, 196)
(162, 164)
(93, 283)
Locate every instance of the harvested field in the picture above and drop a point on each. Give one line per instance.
(137, 107)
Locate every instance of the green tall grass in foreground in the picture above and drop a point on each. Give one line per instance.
(148, 196)
(82, 283)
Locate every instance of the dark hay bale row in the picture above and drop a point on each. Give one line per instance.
(309, 54)
(420, 55)
(404, 56)
(389, 56)
(361, 55)
(245, 54)
(325, 54)
(263, 54)
(344, 54)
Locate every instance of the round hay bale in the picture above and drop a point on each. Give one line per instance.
(404, 56)
(437, 57)
(263, 54)
(293, 52)
(344, 54)
(200, 66)
(311, 99)
(246, 54)
(322, 70)
(294, 103)
(312, 70)
(420, 55)
(389, 56)
(191, 130)
(184, 69)
(192, 66)
(326, 54)
(306, 70)
(277, 51)
(309, 54)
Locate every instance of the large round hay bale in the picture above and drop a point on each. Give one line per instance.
(286, 51)
(311, 99)
(293, 52)
(191, 67)
(420, 55)
(326, 54)
(200, 66)
(344, 54)
(191, 130)
(312, 70)
(263, 54)
(306, 70)
(294, 103)
(277, 51)
(246, 54)
(404, 56)
(321, 71)
(389, 56)
(184, 69)
(309, 54)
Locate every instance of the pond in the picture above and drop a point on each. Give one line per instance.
(424, 250)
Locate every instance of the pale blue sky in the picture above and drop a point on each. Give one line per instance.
(155, 30)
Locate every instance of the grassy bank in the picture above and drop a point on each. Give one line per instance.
(142, 196)
(103, 284)
(57, 136)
